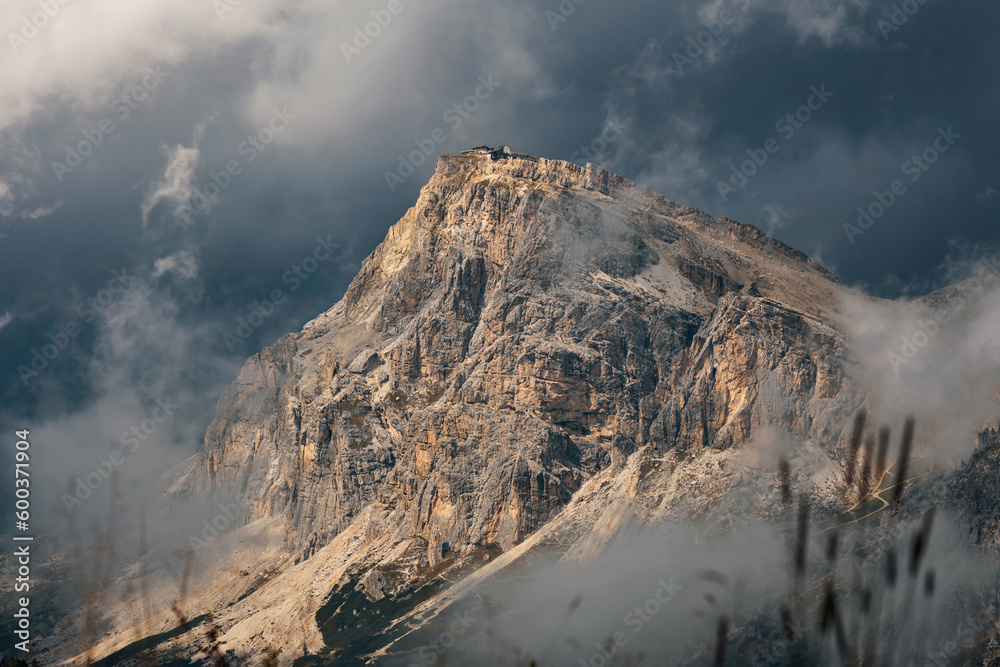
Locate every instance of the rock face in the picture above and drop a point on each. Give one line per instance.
(524, 325)
(976, 492)
(534, 344)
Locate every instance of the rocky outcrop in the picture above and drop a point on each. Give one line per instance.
(536, 348)
(525, 325)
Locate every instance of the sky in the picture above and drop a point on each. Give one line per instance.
(183, 182)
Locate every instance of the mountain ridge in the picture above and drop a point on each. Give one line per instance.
(537, 353)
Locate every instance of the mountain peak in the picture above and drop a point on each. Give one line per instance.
(472, 166)
(534, 346)
(528, 220)
(533, 168)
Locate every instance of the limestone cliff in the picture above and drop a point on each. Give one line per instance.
(536, 351)
(524, 325)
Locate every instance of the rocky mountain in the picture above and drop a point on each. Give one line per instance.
(537, 358)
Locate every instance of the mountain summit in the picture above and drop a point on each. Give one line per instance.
(537, 354)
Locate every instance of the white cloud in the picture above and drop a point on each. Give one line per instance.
(6, 199)
(5, 319)
(142, 352)
(937, 358)
(85, 54)
(89, 47)
(825, 19)
(177, 183)
(183, 264)
(15, 187)
(41, 211)
(986, 194)
(774, 217)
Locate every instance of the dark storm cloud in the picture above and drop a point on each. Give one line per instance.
(597, 74)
